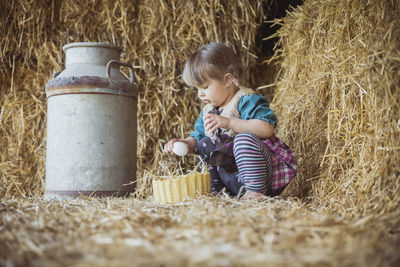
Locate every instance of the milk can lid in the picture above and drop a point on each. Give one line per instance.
(91, 44)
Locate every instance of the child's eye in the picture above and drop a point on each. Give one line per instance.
(203, 86)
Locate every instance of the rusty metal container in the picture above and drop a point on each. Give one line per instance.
(91, 125)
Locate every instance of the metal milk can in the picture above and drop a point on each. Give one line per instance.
(91, 124)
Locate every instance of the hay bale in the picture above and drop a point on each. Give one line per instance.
(338, 101)
(156, 35)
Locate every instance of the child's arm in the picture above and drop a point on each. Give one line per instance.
(260, 128)
(190, 141)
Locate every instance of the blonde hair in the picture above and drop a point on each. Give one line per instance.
(211, 61)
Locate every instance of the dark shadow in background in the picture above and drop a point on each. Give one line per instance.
(263, 76)
(278, 9)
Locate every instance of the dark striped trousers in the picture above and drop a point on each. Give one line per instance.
(253, 159)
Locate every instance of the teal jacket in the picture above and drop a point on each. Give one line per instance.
(254, 106)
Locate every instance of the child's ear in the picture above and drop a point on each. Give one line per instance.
(228, 79)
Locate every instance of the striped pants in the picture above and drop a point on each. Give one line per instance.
(254, 162)
(253, 159)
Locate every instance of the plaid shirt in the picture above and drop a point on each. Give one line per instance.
(284, 165)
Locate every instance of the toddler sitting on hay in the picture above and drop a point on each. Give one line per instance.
(234, 134)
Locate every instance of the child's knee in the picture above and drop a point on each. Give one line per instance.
(244, 139)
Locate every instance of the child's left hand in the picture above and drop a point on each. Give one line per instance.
(212, 122)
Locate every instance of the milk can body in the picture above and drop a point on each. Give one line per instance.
(91, 125)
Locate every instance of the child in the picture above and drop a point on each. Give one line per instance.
(235, 131)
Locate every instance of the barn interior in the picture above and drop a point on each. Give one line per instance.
(331, 71)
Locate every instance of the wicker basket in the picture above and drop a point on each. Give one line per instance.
(181, 188)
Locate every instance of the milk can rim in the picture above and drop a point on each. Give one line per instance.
(91, 44)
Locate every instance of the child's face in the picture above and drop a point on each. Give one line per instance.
(214, 92)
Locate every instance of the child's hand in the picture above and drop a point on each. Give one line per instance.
(170, 145)
(212, 122)
(191, 143)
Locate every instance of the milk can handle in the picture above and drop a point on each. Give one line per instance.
(116, 62)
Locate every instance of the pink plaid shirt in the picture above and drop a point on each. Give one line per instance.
(284, 165)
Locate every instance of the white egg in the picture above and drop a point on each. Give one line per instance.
(180, 149)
